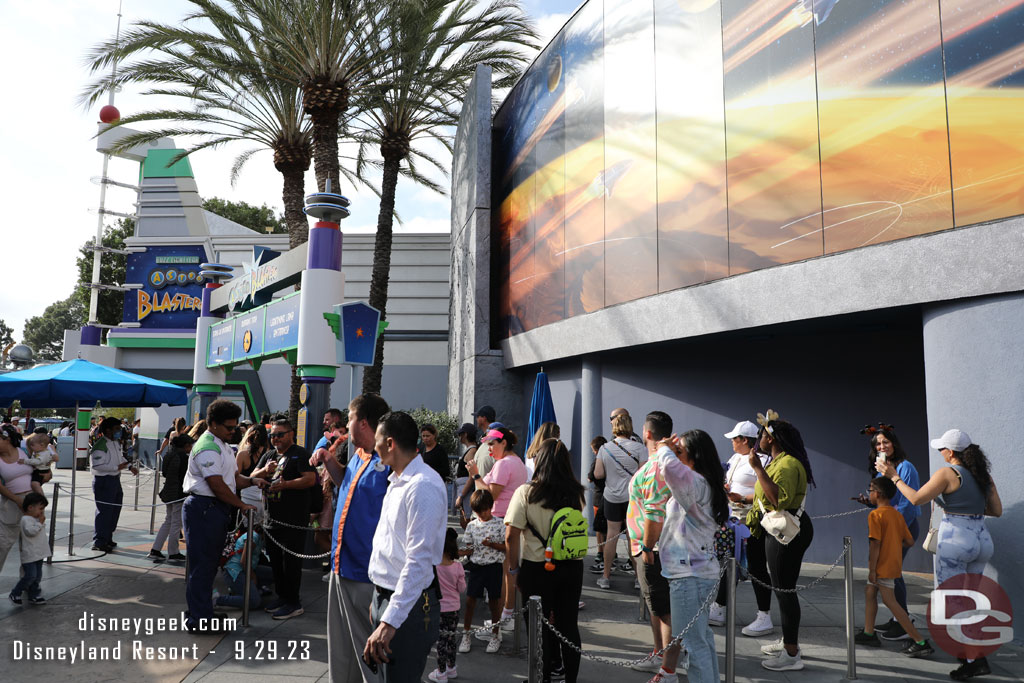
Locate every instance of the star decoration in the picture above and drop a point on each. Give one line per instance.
(359, 332)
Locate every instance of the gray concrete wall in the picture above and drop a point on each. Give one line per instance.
(974, 372)
(475, 371)
(828, 382)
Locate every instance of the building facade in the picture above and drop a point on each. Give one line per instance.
(714, 208)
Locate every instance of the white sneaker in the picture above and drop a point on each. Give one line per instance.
(438, 676)
(760, 626)
(494, 644)
(604, 583)
(466, 644)
(508, 622)
(652, 665)
(452, 673)
(784, 662)
(773, 648)
(716, 615)
(485, 635)
(664, 677)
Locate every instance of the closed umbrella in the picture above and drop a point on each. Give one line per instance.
(62, 385)
(542, 408)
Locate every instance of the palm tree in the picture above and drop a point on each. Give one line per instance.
(425, 54)
(320, 46)
(232, 96)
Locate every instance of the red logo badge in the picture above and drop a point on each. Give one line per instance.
(969, 616)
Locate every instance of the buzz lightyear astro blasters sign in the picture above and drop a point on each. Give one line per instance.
(170, 296)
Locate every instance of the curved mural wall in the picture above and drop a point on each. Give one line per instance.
(659, 145)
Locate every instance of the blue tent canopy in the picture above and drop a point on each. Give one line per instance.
(62, 385)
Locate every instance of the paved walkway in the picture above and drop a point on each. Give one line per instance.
(126, 585)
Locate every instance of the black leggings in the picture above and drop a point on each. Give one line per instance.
(757, 566)
(559, 592)
(784, 566)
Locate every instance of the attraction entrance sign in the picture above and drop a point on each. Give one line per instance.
(307, 328)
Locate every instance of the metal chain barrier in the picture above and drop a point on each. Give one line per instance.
(813, 583)
(486, 629)
(271, 522)
(842, 514)
(629, 664)
(120, 505)
(292, 552)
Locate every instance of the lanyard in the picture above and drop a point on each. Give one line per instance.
(344, 510)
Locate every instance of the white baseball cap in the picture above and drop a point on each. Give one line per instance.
(745, 428)
(955, 440)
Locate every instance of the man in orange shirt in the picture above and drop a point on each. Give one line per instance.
(887, 534)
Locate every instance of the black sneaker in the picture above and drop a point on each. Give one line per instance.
(558, 674)
(871, 640)
(103, 548)
(894, 632)
(38, 600)
(176, 557)
(918, 649)
(882, 628)
(274, 606)
(597, 568)
(968, 670)
(155, 555)
(16, 599)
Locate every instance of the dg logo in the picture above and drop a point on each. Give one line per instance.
(969, 616)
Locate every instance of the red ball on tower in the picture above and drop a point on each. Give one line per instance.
(109, 114)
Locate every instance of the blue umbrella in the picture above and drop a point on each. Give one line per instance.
(62, 385)
(542, 409)
(66, 384)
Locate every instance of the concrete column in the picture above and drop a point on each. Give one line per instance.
(590, 421)
(974, 381)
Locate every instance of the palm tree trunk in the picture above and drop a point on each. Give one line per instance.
(325, 152)
(382, 264)
(298, 232)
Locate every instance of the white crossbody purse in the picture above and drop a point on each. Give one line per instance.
(931, 539)
(782, 525)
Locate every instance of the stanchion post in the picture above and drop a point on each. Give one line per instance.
(517, 627)
(851, 651)
(53, 521)
(156, 488)
(247, 554)
(730, 620)
(533, 645)
(137, 482)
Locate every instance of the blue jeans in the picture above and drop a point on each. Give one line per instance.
(207, 521)
(109, 496)
(900, 587)
(237, 588)
(687, 596)
(32, 573)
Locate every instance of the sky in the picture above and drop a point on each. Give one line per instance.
(48, 156)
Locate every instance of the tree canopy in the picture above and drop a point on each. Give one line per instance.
(45, 333)
(257, 218)
(112, 271)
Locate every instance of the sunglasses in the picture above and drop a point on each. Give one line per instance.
(277, 435)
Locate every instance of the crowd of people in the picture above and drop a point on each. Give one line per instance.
(373, 492)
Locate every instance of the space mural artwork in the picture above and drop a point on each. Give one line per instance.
(652, 148)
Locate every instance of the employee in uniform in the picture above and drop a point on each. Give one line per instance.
(106, 460)
(211, 483)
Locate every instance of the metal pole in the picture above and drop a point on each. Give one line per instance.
(851, 652)
(248, 568)
(533, 646)
(136, 490)
(730, 620)
(156, 487)
(517, 627)
(53, 521)
(74, 469)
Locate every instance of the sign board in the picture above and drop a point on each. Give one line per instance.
(282, 331)
(218, 348)
(248, 336)
(171, 292)
(357, 336)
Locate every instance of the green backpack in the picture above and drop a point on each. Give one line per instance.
(567, 537)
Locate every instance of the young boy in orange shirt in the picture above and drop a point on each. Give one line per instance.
(887, 534)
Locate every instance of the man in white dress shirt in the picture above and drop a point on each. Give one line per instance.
(407, 545)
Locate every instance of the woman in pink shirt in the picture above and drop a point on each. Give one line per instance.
(17, 477)
(507, 475)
